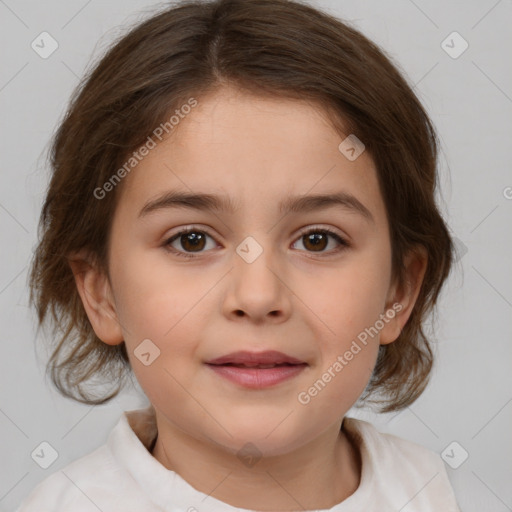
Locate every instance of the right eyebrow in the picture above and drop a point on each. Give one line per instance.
(196, 201)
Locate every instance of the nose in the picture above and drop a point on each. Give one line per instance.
(257, 290)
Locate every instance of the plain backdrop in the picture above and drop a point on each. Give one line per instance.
(469, 98)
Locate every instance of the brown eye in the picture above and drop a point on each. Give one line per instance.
(317, 240)
(188, 242)
(193, 241)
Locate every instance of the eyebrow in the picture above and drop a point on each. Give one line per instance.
(223, 203)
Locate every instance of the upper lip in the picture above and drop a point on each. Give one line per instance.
(255, 358)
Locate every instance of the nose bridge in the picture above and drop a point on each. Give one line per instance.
(257, 288)
(254, 259)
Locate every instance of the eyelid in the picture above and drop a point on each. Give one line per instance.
(188, 228)
(319, 227)
(302, 231)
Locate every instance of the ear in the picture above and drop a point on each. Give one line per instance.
(97, 298)
(401, 299)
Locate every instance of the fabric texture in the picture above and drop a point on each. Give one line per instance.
(123, 476)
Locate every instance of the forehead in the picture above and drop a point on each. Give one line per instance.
(257, 151)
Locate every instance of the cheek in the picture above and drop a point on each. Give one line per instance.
(159, 304)
(349, 298)
(347, 303)
(152, 296)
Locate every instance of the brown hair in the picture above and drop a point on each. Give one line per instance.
(279, 48)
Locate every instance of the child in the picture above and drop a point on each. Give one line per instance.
(242, 212)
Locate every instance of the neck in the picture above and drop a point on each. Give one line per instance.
(318, 475)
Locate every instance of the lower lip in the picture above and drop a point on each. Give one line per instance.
(257, 378)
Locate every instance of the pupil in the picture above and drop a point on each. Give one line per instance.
(194, 240)
(316, 240)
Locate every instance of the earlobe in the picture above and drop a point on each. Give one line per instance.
(96, 294)
(402, 299)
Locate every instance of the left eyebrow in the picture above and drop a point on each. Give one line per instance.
(223, 203)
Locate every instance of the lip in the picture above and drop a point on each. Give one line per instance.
(255, 358)
(258, 378)
(253, 376)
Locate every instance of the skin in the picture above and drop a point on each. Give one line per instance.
(308, 304)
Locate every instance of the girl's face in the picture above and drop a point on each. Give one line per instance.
(249, 278)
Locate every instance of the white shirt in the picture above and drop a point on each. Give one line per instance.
(123, 476)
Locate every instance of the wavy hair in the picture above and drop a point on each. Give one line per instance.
(278, 48)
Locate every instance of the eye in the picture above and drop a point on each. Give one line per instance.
(317, 239)
(192, 240)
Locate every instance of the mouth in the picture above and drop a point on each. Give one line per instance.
(257, 370)
(258, 366)
(269, 358)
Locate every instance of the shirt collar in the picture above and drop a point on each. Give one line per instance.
(132, 438)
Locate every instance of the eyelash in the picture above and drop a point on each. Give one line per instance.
(167, 244)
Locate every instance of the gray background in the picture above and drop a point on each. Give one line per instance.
(469, 399)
